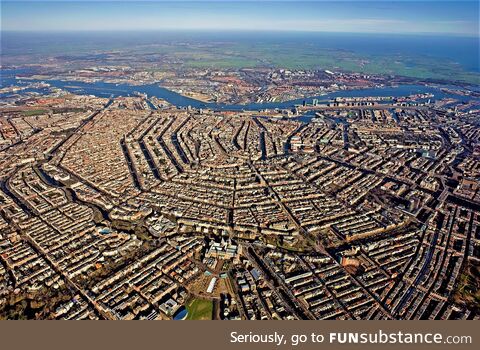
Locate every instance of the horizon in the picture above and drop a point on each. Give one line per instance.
(351, 17)
(237, 31)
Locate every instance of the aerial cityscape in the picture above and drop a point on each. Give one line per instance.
(192, 160)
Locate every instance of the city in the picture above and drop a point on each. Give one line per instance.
(238, 176)
(127, 208)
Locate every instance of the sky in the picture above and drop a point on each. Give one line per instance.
(402, 17)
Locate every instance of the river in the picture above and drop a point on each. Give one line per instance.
(103, 89)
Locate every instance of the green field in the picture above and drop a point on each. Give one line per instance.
(34, 112)
(199, 309)
(468, 286)
(203, 51)
(242, 55)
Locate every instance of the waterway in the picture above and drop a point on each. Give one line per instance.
(103, 89)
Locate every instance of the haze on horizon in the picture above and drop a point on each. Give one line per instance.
(399, 17)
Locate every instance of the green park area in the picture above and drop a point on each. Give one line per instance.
(33, 112)
(199, 309)
(468, 286)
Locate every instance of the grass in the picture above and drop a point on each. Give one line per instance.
(240, 55)
(286, 54)
(225, 63)
(34, 112)
(200, 309)
(468, 286)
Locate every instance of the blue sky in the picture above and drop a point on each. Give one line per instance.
(404, 17)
